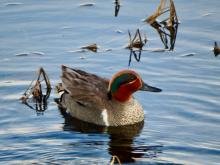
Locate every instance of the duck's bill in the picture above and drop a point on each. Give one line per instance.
(149, 88)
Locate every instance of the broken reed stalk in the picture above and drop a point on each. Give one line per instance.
(167, 28)
(170, 21)
(114, 160)
(137, 41)
(173, 15)
(216, 49)
(46, 78)
(160, 10)
(36, 89)
(26, 93)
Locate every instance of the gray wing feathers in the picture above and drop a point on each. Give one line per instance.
(86, 88)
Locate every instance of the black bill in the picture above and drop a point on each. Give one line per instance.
(149, 88)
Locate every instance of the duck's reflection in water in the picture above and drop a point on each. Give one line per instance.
(121, 139)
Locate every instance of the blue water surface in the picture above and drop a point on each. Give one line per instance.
(182, 123)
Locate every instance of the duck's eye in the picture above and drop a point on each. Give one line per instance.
(131, 78)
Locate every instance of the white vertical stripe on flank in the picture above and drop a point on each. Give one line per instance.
(105, 117)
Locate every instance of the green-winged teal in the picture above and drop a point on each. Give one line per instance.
(97, 100)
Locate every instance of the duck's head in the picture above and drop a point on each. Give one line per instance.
(124, 83)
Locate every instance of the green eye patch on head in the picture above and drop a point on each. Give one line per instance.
(122, 79)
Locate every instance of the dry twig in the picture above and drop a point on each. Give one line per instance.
(92, 47)
(114, 160)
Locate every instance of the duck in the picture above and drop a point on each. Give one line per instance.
(100, 101)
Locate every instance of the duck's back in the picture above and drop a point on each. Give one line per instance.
(85, 88)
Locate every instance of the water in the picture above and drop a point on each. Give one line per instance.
(181, 124)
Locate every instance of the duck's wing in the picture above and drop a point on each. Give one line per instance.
(85, 88)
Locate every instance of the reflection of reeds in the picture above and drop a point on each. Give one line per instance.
(136, 54)
(36, 91)
(167, 28)
(117, 7)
